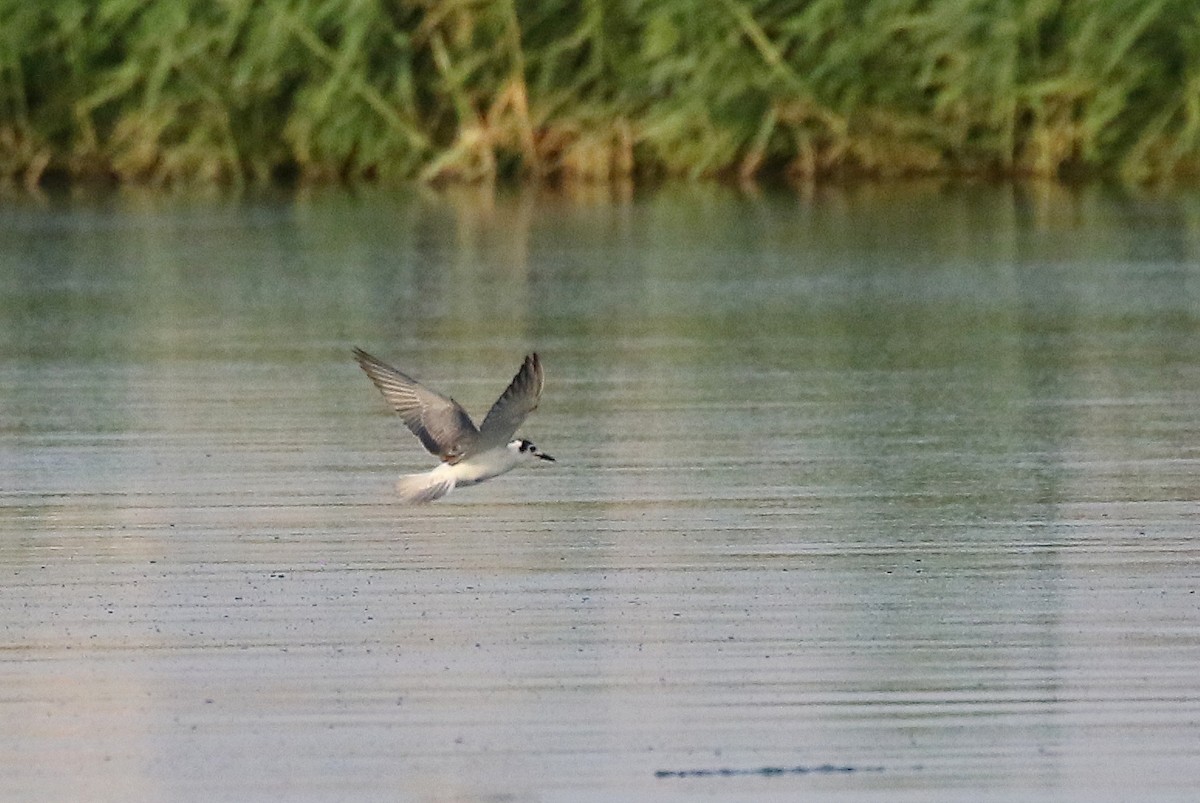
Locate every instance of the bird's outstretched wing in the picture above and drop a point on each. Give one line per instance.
(518, 400)
(440, 422)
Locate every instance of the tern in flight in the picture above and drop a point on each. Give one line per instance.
(469, 454)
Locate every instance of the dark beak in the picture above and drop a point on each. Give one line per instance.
(547, 457)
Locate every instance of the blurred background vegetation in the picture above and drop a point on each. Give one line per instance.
(235, 91)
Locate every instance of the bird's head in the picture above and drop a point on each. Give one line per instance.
(527, 449)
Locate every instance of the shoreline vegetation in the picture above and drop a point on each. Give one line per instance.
(234, 92)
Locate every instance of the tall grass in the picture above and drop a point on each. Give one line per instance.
(229, 91)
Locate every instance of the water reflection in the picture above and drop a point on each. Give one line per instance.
(899, 479)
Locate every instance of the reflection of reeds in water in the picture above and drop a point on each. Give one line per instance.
(191, 90)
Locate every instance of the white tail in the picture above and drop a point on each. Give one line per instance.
(418, 489)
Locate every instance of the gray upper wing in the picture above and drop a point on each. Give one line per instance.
(440, 422)
(518, 400)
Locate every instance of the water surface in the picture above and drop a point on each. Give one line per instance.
(863, 494)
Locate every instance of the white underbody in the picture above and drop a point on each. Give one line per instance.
(435, 484)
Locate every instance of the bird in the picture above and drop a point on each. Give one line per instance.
(469, 454)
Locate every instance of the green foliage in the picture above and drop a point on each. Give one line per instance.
(225, 91)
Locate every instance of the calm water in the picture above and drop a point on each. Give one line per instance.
(866, 495)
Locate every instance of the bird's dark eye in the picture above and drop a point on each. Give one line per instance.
(524, 447)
